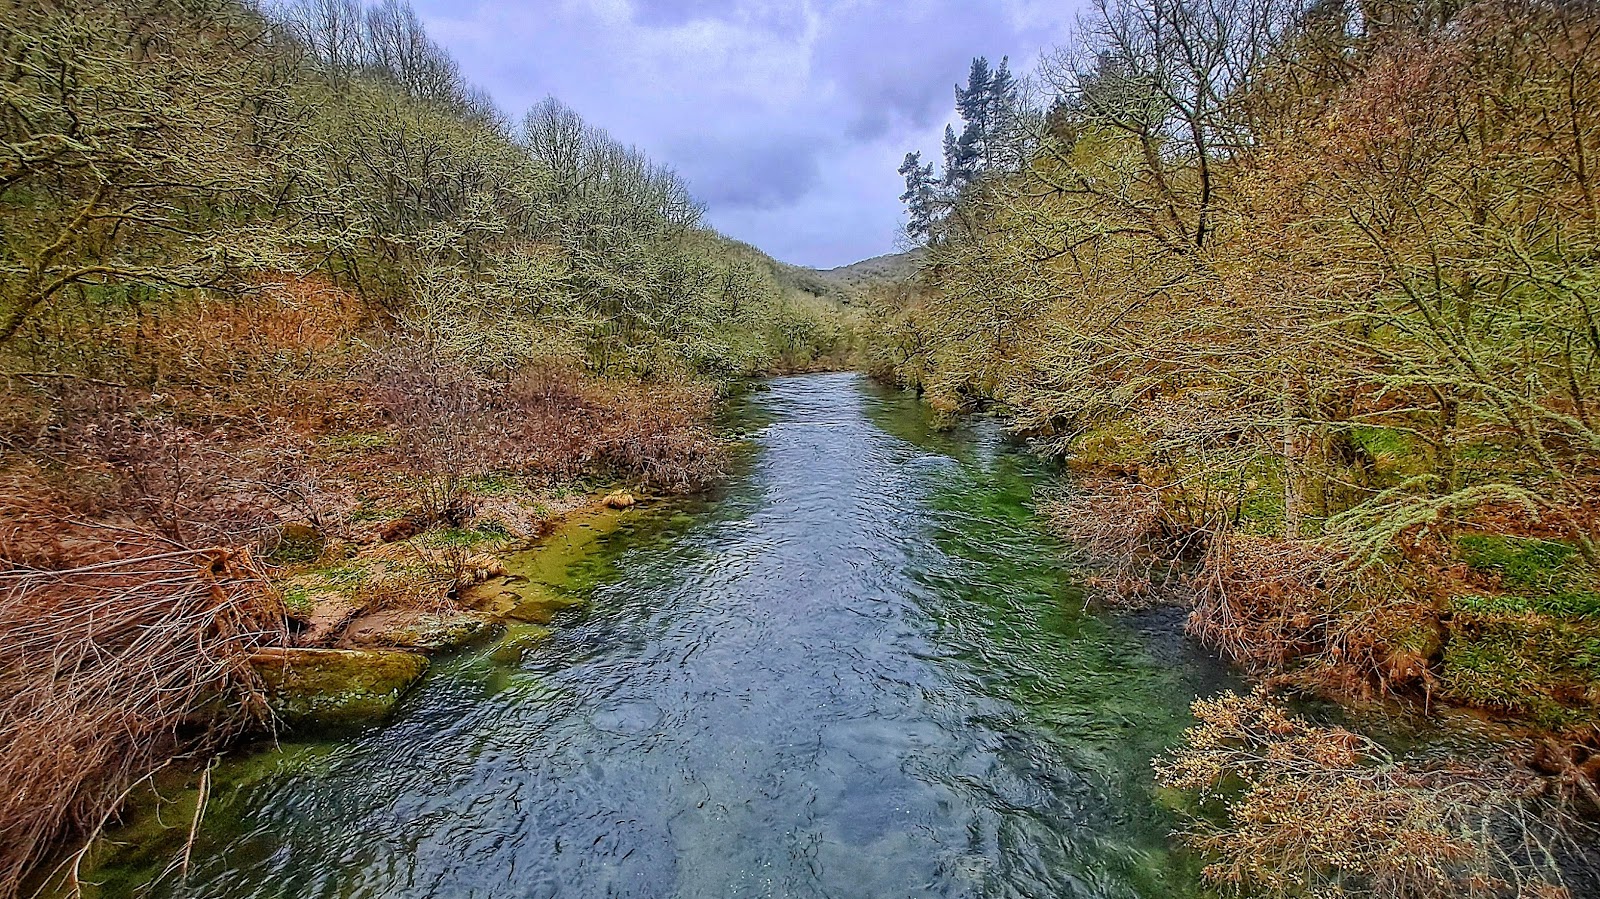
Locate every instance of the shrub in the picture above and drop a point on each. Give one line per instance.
(106, 673)
(1322, 811)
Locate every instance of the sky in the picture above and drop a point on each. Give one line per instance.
(788, 119)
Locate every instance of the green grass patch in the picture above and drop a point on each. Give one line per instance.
(358, 442)
(464, 537)
(495, 484)
(1505, 654)
(1521, 562)
(370, 511)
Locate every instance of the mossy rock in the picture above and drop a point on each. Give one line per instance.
(418, 630)
(335, 686)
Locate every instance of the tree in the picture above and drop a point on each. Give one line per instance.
(960, 159)
(131, 162)
(921, 197)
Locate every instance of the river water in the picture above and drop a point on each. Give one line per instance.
(860, 670)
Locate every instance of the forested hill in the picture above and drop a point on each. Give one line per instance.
(849, 284)
(858, 277)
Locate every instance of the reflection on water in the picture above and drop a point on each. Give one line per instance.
(859, 672)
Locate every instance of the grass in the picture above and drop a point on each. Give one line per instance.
(1581, 605)
(463, 537)
(372, 510)
(1532, 647)
(1521, 562)
(1508, 653)
(358, 442)
(345, 579)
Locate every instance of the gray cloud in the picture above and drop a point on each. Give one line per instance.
(787, 19)
(747, 171)
(787, 118)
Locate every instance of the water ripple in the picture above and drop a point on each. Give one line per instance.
(860, 673)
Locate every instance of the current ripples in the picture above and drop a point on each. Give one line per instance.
(859, 673)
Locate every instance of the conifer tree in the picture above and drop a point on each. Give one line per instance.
(921, 197)
(960, 158)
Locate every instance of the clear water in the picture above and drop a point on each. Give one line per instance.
(859, 671)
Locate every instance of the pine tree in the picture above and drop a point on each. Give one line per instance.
(988, 107)
(960, 157)
(973, 102)
(1001, 129)
(921, 197)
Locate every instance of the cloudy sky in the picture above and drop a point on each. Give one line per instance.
(788, 117)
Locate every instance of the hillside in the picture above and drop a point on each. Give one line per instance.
(848, 283)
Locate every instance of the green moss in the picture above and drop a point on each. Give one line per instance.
(1381, 442)
(464, 537)
(296, 543)
(1115, 444)
(344, 576)
(1502, 655)
(1395, 453)
(1575, 604)
(1261, 510)
(298, 599)
(1521, 562)
(335, 686)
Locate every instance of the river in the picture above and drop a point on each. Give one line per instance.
(861, 669)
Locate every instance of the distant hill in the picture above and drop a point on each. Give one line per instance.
(849, 282)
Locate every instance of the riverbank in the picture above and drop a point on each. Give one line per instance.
(179, 557)
(1400, 782)
(323, 695)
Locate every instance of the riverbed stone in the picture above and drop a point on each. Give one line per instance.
(335, 686)
(424, 631)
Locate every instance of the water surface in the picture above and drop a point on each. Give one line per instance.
(859, 671)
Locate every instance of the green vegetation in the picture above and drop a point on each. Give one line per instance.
(1305, 293)
(1207, 282)
(277, 285)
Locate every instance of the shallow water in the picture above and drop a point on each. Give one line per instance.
(859, 671)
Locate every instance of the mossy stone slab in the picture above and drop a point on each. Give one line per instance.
(335, 686)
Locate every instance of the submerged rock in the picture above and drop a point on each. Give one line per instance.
(520, 639)
(335, 686)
